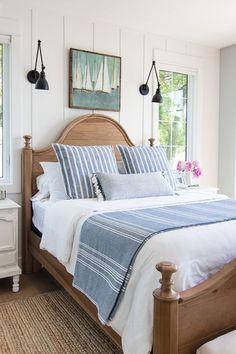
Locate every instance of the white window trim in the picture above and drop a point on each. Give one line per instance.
(187, 65)
(190, 110)
(6, 168)
(11, 28)
(5, 39)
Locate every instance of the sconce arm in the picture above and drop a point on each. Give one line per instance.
(37, 54)
(41, 56)
(158, 82)
(153, 65)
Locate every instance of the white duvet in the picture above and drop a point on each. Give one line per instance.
(198, 251)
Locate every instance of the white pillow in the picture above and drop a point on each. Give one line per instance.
(225, 344)
(54, 177)
(42, 183)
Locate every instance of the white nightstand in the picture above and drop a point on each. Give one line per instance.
(209, 189)
(200, 189)
(9, 242)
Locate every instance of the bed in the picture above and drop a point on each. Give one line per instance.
(182, 320)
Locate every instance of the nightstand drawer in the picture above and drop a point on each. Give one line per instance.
(8, 259)
(8, 225)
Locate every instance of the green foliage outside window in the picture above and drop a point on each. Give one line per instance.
(173, 114)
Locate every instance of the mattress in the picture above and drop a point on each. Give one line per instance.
(39, 209)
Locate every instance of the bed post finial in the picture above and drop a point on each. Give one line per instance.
(166, 292)
(151, 141)
(27, 139)
(166, 312)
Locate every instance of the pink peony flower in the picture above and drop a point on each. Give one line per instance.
(188, 166)
(197, 172)
(196, 163)
(180, 166)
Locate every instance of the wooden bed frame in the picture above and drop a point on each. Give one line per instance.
(182, 321)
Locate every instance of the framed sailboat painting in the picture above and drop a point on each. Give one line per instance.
(94, 80)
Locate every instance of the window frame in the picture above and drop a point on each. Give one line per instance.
(11, 28)
(191, 108)
(6, 136)
(181, 61)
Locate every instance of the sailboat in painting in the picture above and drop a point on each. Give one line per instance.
(77, 78)
(115, 77)
(99, 83)
(95, 74)
(106, 79)
(103, 80)
(87, 82)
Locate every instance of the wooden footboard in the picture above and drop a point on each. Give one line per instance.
(184, 321)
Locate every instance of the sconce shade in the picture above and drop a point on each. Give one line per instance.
(42, 83)
(33, 76)
(157, 98)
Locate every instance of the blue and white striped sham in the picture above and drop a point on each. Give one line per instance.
(144, 159)
(79, 162)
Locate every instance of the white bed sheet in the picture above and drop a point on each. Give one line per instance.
(39, 209)
(198, 251)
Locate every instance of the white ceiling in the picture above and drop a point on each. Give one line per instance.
(207, 22)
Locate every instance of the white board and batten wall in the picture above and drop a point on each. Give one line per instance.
(45, 113)
(227, 122)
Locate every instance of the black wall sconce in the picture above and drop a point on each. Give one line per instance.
(144, 89)
(34, 76)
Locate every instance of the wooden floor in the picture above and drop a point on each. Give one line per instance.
(30, 285)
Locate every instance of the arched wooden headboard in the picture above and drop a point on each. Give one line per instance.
(94, 129)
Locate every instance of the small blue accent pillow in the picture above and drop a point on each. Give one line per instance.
(144, 159)
(79, 162)
(128, 186)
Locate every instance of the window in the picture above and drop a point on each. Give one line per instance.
(4, 111)
(175, 114)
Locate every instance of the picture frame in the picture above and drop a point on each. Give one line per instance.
(94, 80)
(180, 179)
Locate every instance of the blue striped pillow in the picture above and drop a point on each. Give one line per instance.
(79, 162)
(144, 159)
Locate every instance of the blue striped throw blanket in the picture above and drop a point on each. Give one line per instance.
(110, 241)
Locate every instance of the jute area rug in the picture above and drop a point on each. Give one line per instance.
(50, 323)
